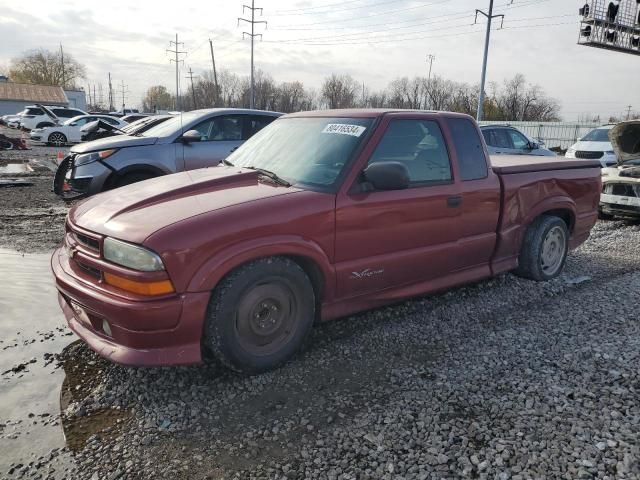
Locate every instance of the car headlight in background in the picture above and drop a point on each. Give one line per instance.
(131, 256)
(571, 153)
(94, 156)
(610, 152)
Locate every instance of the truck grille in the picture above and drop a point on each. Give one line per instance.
(589, 155)
(88, 242)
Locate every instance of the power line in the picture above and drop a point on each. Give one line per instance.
(412, 37)
(340, 9)
(252, 35)
(318, 6)
(177, 61)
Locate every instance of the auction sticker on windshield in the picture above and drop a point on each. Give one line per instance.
(344, 129)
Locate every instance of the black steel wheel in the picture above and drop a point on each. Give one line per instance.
(260, 314)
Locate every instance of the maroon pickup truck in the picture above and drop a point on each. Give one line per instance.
(320, 215)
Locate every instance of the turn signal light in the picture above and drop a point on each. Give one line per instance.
(162, 287)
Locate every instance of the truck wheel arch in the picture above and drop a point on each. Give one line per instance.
(309, 256)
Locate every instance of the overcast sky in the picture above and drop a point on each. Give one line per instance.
(373, 40)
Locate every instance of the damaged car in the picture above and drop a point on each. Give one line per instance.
(621, 183)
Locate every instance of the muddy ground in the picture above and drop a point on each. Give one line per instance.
(503, 379)
(31, 216)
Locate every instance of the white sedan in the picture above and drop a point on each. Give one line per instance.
(69, 131)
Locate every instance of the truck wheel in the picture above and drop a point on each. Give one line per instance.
(544, 249)
(260, 315)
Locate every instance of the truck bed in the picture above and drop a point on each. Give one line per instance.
(506, 164)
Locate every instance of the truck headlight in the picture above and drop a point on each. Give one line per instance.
(94, 156)
(571, 153)
(131, 256)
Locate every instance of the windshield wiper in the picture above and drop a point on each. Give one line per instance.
(227, 163)
(271, 175)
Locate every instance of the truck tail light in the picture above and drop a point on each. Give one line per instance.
(161, 287)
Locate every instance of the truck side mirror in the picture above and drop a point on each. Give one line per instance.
(387, 175)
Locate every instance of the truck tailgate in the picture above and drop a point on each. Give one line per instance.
(506, 164)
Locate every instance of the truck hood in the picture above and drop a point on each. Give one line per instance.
(625, 138)
(134, 212)
(119, 141)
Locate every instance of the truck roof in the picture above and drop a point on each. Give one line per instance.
(369, 113)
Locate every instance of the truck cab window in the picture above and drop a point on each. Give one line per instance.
(471, 158)
(420, 146)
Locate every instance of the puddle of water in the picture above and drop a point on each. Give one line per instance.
(16, 168)
(32, 328)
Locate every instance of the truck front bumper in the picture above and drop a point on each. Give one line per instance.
(123, 330)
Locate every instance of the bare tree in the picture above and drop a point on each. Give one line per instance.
(339, 91)
(43, 67)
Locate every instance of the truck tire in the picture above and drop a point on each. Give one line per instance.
(544, 249)
(259, 315)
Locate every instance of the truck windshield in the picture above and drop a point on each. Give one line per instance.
(311, 151)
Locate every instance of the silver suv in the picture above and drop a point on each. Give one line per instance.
(507, 140)
(197, 139)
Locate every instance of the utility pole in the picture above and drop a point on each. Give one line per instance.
(253, 22)
(628, 111)
(193, 92)
(124, 91)
(430, 59)
(215, 75)
(490, 16)
(64, 80)
(110, 94)
(94, 95)
(177, 61)
(100, 96)
(89, 92)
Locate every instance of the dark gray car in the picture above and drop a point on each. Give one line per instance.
(507, 140)
(191, 140)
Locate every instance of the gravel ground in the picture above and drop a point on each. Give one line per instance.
(503, 379)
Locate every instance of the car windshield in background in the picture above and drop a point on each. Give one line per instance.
(597, 135)
(311, 151)
(173, 125)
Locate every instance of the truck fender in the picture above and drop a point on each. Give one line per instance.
(216, 267)
(551, 204)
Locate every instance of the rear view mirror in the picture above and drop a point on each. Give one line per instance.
(387, 176)
(191, 136)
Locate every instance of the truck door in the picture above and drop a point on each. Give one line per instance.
(391, 238)
(220, 136)
(480, 196)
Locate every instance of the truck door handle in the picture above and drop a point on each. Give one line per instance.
(454, 201)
